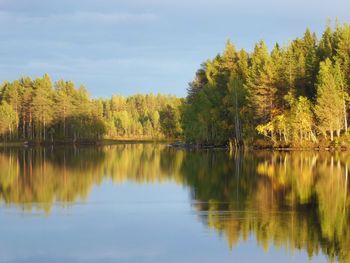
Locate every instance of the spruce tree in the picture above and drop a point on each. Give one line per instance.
(261, 84)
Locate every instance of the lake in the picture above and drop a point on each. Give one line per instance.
(151, 203)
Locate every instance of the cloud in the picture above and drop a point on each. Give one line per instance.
(144, 43)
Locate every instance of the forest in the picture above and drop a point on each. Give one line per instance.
(294, 95)
(39, 110)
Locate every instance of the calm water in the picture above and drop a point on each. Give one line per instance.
(149, 203)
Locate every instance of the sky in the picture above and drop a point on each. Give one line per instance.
(141, 46)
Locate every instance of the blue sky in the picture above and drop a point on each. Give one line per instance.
(132, 46)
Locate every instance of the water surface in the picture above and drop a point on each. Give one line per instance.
(150, 203)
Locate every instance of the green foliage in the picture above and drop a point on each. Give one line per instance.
(330, 100)
(143, 116)
(196, 119)
(7, 119)
(40, 110)
(293, 94)
(301, 120)
(294, 125)
(169, 122)
(261, 84)
(215, 96)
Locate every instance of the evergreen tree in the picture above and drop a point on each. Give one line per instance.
(42, 103)
(326, 47)
(342, 43)
(261, 84)
(64, 102)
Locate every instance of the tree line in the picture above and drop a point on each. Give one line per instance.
(296, 94)
(40, 110)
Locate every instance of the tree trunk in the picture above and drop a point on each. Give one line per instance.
(313, 137)
(64, 122)
(10, 132)
(284, 133)
(272, 136)
(64, 127)
(332, 135)
(30, 126)
(344, 108)
(44, 129)
(346, 184)
(345, 119)
(24, 129)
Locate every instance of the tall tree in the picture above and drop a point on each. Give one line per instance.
(7, 120)
(342, 43)
(42, 103)
(329, 101)
(64, 102)
(261, 84)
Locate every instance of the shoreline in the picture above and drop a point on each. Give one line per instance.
(190, 146)
(171, 143)
(102, 142)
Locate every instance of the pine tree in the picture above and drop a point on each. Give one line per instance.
(261, 84)
(342, 42)
(283, 83)
(311, 63)
(64, 102)
(41, 104)
(229, 59)
(326, 47)
(26, 115)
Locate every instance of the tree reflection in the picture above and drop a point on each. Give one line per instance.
(37, 177)
(294, 200)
